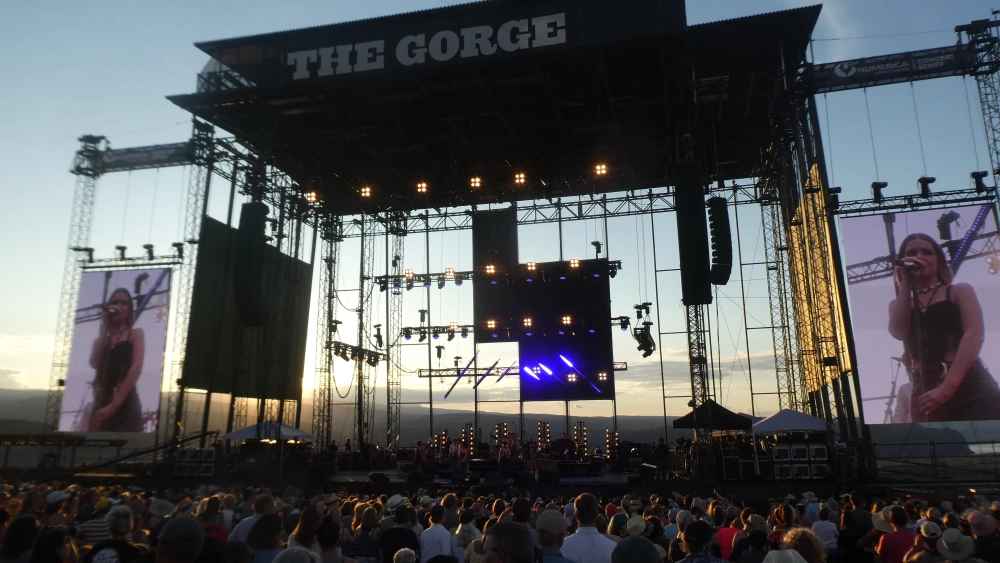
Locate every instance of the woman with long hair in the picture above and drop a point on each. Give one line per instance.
(941, 326)
(117, 356)
(304, 534)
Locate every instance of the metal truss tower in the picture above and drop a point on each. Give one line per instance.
(326, 328)
(395, 246)
(698, 363)
(195, 208)
(87, 167)
(785, 348)
(983, 36)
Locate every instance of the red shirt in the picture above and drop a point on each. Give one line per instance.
(893, 546)
(724, 537)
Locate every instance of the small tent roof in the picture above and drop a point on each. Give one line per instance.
(787, 420)
(715, 416)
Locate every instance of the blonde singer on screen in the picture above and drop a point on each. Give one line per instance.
(941, 326)
(116, 356)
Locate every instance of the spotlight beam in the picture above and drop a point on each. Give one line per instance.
(529, 371)
(459, 377)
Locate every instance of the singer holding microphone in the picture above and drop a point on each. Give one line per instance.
(941, 327)
(117, 356)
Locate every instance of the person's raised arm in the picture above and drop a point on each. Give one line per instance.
(968, 348)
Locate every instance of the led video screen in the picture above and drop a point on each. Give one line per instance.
(112, 383)
(563, 328)
(924, 293)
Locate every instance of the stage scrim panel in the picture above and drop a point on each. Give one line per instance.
(116, 362)
(224, 352)
(924, 289)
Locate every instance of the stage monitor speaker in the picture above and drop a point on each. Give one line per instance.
(722, 241)
(248, 281)
(692, 236)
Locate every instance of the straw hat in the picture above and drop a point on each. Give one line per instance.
(879, 523)
(955, 545)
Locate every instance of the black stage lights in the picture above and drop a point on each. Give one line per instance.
(440, 350)
(378, 336)
(925, 185)
(877, 188)
(644, 337)
(977, 179)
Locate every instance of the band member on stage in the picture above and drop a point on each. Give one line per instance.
(941, 326)
(117, 356)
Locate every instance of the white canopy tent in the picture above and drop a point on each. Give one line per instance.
(268, 431)
(787, 420)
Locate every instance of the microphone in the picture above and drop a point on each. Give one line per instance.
(909, 264)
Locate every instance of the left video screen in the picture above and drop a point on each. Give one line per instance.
(113, 380)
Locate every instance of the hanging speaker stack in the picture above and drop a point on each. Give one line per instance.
(692, 234)
(722, 241)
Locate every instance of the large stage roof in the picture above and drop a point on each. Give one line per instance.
(490, 89)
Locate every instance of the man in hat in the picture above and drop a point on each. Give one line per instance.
(955, 546)
(551, 531)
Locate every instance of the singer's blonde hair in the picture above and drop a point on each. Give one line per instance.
(944, 270)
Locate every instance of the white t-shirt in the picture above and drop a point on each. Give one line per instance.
(827, 533)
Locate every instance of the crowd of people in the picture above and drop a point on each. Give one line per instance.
(55, 523)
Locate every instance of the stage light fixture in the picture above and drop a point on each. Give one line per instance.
(465, 332)
(372, 359)
(440, 350)
(451, 334)
(491, 324)
(343, 354)
(526, 322)
(475, 182)
(877, 188)
(566, 361)
(574, 263)
(366, 191)
(423, 315)
(977, 179)
(378, 336)
(571, 377)
(449, 273)
(149, 251)
(545, 368)
(520, 178)
(423, 336)
(422, 187)
(602, 376)
(925, 185)
(383, 284)
(491, 269)
(459, 278)
(601, 169)
(121, 251)
(435, 333)
(312, 197)
(530, 373)
(567, 320)
(441, 282)
(612, 270)
(530, 266)
(407, 333)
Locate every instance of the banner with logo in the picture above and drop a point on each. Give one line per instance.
(892, 69)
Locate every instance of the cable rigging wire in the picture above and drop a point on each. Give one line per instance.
(128, 193)
(871, 135)
(152, 208)
(972, 128)
(920, 135)
(829, 138)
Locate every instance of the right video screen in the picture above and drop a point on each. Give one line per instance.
(924, 292)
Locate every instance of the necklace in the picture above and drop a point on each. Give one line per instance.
(929, 289)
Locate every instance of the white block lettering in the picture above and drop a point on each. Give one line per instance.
(301, 60)
(412, 50)
(335, 60)
(514, 35)
(444, 46)
(549, 30)
(371, 56)
(478, 41)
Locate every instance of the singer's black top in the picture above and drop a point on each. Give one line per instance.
(114, 368)
(934, 336)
